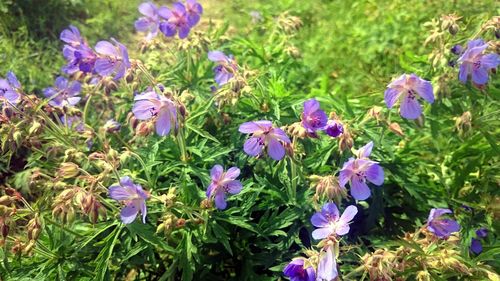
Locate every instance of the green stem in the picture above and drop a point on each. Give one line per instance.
(182, 145)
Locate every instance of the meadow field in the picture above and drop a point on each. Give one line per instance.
(249, 140)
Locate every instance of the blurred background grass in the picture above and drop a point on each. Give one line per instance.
(354, 44)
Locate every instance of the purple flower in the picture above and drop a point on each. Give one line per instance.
(330, 222)
(222, 183)
(134, 198)
(112, 126)
(151, 105)
(225, 69)
(64, 92)
(194, 11)
(296, 272)
(333, 128)
(476, 64)
(76, 52)
(150, 22)
(112, 60)
(327, 266)
(406, 89)
(10, 89)
(358, 171)
(264, 135)
(313, 118)
(482, 232)
(457, 49)
(475, 246)
(176, 21)
(73, 122)
(442, 228)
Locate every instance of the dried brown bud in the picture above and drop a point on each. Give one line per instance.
(329, 187)
(297, 130)
(345, 140)
(144, 129)
(395, 128)
(375, 113)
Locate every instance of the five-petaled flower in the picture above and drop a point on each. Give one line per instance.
(441, 227)
(152, 105)
(223, 183)
(79, 56)
(194, 11)
(407, 88)
(313, 118)
(333, 128)
(225, 69)
(264, 135)
(64, 92)
(296, 272)
(150, 22)
(476, 64)
(10, 89)
(357, 170)
(330, 222)
(177, 21)
(113, 59)
(134, 198)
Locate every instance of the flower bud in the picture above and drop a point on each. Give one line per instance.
(345, 141)
(374, 113)
(68, 170)
(144, 129)
(297, 130)
(453, 29)
(6, 200)
(111, 126)
(34, 128)
(395, 128)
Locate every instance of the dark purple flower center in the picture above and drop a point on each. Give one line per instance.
(411, 94)
(153, 111)
(477, 64)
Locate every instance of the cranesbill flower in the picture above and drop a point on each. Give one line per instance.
(194, 11)
(134, 198)
(358, 170)
(313, 118)
(476, 64)
(151, 105)
(225, 69)
(150, 22)
(482, 232)
(441, 227)
(72, 36)
(333, 128)
(113, 59)
(76, 52)
(263, 135)
(223, 183)
(176, 21)
(64, 92)
(10, 89)
(327, 266)
(330, 222)
(476, 246)
(296, 272)
(407, 88)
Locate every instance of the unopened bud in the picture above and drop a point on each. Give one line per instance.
(453, 29)
(68, 170)
(6, 200)
(144, 129)
(395, 128)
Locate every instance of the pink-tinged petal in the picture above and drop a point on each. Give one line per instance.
(148, 9)
(120, 70)
(327, 267)
(11, 77)
(480, 75)
(106, 48)
(475, 43)
(117, 192)
(359, 189)
(220, 200)
(400, 82)
(217, 56)
(348, 214)
(232, 173)
(366, 150)
(319, 220)
(143, 24)
(250, 127)
(129, 213)
(464, 72)
(331, 210)
(424, 89)
(275, 149)
(165, 12)
(233, 186)
(375, 174)
(70, 36)
(211, 189)
(143, 109)
(253, 146)
(73, 100)
(391, 96)
(437, 212)
(346, 173)
(281, 135)
(321, 233)
(410, 108)
(147, 96)
(342, 229)
(144, 210)
(489, 61)
(311, 105)
(216, 172)
(163, 123)
(104, 67)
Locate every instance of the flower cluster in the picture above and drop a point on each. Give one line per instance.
(177, 20)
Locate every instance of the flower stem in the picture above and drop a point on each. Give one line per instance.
(182, 145)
